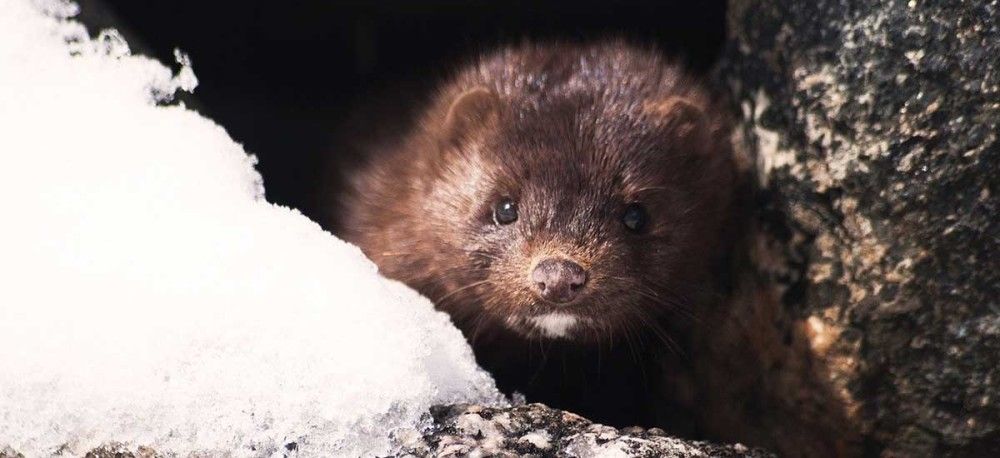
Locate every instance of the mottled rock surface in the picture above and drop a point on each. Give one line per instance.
(536, 430)
(531, 430)
(875, 126)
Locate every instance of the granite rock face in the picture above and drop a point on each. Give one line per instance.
(875, 129)
(531, 430)
(536, 430)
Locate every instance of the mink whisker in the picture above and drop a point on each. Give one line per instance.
(463, 288)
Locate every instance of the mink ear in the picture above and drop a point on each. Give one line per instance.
(471, 111)
(677, 113)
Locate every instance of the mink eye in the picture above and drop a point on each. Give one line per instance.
(635, 217)
(505, 211)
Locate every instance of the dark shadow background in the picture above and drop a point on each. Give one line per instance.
(289, 79)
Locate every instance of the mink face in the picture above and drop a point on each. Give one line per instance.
(555, 191)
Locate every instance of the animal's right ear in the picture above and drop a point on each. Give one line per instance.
(470, 112)
(681, 114)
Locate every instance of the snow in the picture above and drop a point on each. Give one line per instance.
(149, 294)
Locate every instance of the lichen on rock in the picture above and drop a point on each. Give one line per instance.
(875, 131)
(537, 430)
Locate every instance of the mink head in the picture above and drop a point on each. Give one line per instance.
(574, 213)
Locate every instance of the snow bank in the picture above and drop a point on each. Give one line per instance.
(150, 295)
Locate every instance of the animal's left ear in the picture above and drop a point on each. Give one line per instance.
(470, 112)
(680, 114)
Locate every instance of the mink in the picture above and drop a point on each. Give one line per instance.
(567, 205)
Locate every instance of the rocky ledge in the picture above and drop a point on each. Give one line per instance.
(537, 430)
(531, 430)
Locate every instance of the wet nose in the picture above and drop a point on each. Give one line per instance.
(558, 280)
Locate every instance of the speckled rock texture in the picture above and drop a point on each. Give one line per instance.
(875, 128)
(536, 430)
(531, 430)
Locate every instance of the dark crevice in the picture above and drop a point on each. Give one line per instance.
(298, 82)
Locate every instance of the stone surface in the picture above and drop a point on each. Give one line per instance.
(536, 430)
(874, 126)
(531, 430)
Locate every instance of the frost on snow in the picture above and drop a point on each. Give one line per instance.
(150, 295)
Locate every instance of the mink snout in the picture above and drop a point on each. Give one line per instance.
(558, 280)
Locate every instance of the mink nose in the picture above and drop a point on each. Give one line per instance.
(558, 280)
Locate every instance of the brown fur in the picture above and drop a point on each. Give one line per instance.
(573, 134)
(576, 134)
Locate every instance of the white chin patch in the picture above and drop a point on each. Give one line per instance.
(554, 324)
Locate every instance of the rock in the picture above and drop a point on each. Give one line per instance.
(518, 431)
(116, 450)
(875, 130)
(7, 452)
(109, 450)
(537, 430)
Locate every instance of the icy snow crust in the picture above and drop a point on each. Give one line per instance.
(150, 295)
